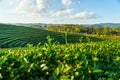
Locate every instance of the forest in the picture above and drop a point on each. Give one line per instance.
(81, 29)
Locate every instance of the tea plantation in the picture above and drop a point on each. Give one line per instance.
(88, 59)
(19, 36)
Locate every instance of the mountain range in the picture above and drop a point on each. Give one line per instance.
(107, 24)
(42, 25)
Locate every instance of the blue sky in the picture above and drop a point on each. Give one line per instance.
(60, 11)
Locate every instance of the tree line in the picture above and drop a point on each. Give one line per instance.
(81, 29)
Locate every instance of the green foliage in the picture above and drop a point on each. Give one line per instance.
(106, 30)
(86, 61)
(81, 39)
(81, 29)
(98, 31)
(65, 37)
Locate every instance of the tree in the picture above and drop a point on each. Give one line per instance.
(106, 30)
(98, 30)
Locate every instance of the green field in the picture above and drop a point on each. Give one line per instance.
(76, 57)
(19, 36)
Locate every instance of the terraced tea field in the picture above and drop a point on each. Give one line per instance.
(81, 58)
(19, 36)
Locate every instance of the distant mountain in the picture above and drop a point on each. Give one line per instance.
(35, 25)
(107, 24)
(43, 25)
(31, 24)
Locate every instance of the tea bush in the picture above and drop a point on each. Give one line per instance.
(52, 61)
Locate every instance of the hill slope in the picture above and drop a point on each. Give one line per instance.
(19, 36)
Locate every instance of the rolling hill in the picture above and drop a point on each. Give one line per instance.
(19, 36)
(84, 60)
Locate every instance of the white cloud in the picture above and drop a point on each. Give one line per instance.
(65, 10)
(66, 2)
(55, 20)
(84, 15)
(62, 12)
(26, 6)
(43, 7)
(34, 6)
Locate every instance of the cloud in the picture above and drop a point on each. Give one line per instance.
(43, 7)
(40, 7)
(26, 6)
(66, 2)
(84, 15)
(65, 10)
(62, 12)
(55, 20)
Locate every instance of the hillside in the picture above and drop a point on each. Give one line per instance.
(19, 36)
(90, 58)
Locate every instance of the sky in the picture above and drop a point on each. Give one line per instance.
(60, 11)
